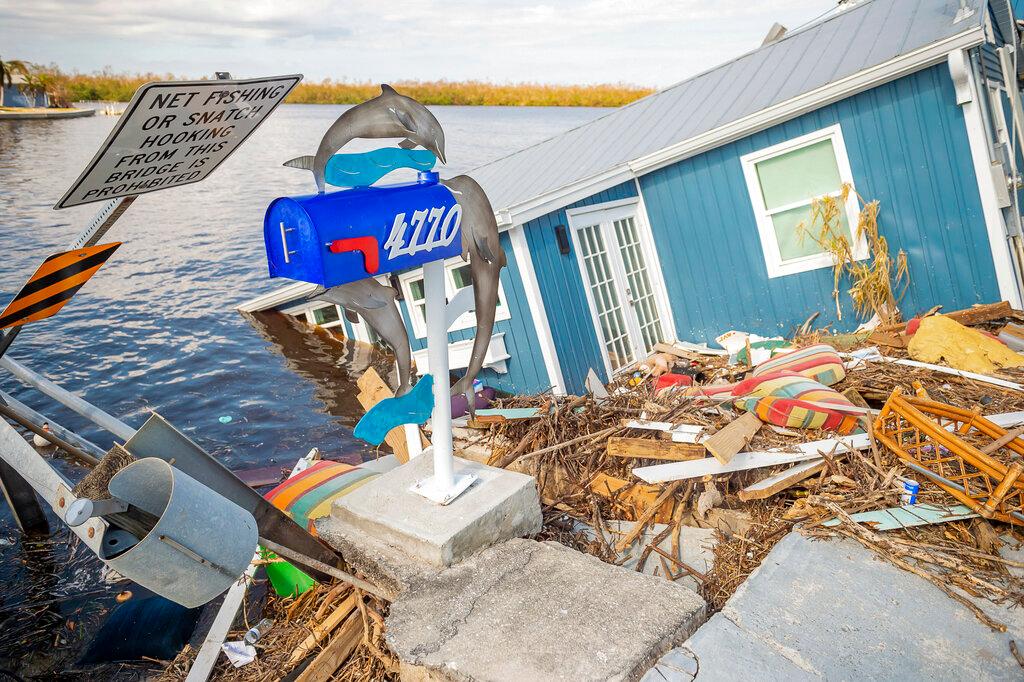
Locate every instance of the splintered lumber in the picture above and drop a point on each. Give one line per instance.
(709, 466)
(1002, 440)
(774, 485)
(373, 389)
(646, 516)
(644, 448)
(336, 652)
(637, 495)
(680, 433)
(733, 437)
(324, 628)
(983, 313)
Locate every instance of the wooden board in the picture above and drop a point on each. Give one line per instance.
(645, 448)
(323, 629)
(638, 495)
(774, 485)
(337, 651)
(660, 473)
(678, 433)
(733, 437)
(373, 389)
(908, 516)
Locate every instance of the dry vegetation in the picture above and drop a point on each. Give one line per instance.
(119, 87)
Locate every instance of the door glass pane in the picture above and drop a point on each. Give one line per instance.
(799, 175)
(638, 283)
(606, 298)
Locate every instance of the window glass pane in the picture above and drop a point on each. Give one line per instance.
(326, 315)
(799, 175)
(461, 277)
(416, 290)
(790, 246)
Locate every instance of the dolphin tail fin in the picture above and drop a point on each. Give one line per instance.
(303, 162)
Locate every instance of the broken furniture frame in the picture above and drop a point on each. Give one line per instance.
(925, 435)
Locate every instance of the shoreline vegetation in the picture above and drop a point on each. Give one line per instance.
(119, 87)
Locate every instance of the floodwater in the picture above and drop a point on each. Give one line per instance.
(156, 330)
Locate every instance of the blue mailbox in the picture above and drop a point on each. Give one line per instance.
(348, 235)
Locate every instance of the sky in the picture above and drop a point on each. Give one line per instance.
(644, 42)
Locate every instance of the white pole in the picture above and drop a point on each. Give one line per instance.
(437, 357)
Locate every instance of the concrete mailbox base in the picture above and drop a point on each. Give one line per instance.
(499, 506)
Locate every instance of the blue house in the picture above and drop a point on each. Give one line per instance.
(674, 218)
(16, 94)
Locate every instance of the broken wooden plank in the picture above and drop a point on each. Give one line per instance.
(637, 495)
(908, 516)
(373, 389)
(644, 448)
(773, 485)
(323, 629)
(685, 349)
(1002, 440)
(337, 651)
(646, 516)
(679, 433)
(498, 416)
(709, 466)
(733, 437)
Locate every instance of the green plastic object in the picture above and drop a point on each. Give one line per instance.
(286, 580)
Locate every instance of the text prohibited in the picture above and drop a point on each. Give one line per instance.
(174, 134)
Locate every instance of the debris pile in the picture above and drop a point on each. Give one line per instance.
(729, 451)
(329, 632)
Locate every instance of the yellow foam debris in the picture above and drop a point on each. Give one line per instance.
(941, 339)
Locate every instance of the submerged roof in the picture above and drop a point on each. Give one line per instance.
(847, 43)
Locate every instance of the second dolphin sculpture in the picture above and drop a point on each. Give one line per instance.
(389, 114)
(481, 246)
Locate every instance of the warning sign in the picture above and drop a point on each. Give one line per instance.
(176, 133)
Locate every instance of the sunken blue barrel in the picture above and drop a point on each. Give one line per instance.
(348, 235)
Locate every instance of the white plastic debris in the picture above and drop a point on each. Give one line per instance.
(239, 653)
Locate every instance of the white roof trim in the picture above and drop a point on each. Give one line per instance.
(866, 79)
(277, 297)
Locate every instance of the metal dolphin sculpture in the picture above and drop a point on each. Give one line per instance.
(386, 115)
(482, 247)
(375, 302)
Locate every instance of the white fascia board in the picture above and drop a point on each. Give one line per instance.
(273, 299)
(930, 55)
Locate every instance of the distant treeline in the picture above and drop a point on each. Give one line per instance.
(118, 87)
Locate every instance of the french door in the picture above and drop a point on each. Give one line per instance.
(627, 310)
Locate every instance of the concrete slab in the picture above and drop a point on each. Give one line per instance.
(525, 610)
(499, 505)
(831, 610)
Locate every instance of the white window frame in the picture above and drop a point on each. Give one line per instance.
(337, 323)
(464, 321)
(766, 229)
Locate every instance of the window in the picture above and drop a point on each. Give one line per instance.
(326, 316)
(783, 180)
(457, 277)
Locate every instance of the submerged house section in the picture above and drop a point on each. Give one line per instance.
(675, 217)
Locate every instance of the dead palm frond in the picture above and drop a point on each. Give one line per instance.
(873, 275)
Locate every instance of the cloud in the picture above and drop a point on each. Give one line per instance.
(652, 42)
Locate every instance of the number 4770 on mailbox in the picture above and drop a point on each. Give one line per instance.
(349, 235)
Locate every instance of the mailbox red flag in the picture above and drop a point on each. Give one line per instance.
(54, 283)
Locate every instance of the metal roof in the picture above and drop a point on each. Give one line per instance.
(844, 44)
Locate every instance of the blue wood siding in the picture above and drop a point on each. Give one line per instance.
(526, 371)
(908, 148)
(565, 300)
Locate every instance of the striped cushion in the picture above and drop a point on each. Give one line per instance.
(307, 496)
(792, 400)
(820, 362)
(799, 414)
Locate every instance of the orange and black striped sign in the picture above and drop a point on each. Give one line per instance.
(54, 283)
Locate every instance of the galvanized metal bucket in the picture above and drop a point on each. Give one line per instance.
(201, 544)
